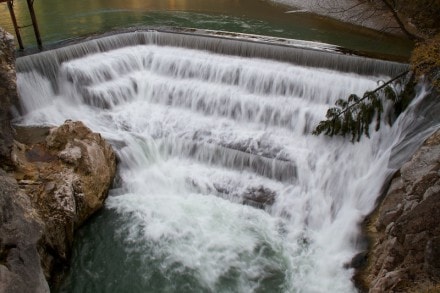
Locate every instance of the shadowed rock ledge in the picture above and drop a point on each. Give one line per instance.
(51, 182)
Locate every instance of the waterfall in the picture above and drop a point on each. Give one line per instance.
(299, 52)
(221, 186)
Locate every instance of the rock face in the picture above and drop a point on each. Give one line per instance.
(8, 95)
(405, 228)
(66, 175)
(21, 229)
(62, 176)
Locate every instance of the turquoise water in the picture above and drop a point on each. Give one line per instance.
(100, 265)
(61, 20)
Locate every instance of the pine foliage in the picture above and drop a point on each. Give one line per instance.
(354, 115)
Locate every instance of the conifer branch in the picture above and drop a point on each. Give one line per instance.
(376, 90)
(354, 115)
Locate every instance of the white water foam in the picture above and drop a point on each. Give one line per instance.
(197, 133)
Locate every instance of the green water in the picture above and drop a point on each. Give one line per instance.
(139, 269)
(62, 20)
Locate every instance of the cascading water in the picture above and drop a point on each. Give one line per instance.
(198, 134)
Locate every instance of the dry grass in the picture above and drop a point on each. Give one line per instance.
(425, 60)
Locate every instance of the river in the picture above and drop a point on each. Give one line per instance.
(221, 187)
(61, 20)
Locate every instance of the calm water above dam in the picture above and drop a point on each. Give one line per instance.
(61, 20)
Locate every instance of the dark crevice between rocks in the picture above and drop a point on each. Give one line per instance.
(4, 252)
(54, 263)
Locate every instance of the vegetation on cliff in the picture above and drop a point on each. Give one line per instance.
(425, 60)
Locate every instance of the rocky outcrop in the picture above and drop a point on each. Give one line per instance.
(405, 228)
(66, 173)
(8, 95)
(62, 176)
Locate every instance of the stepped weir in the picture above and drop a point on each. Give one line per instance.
(222, 187)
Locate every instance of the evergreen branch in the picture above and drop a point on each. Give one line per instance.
(366, 95)
(355, 115)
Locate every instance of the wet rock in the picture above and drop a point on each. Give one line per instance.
(259, 197)
(359, 260)
(256, 196)
(404, 229)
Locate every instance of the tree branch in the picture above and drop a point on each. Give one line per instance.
(374, 91)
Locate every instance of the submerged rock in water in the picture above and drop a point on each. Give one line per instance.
(259, 197)
(60, 181)
(405, 230)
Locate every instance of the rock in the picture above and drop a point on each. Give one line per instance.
(90, 159)
(432, 255)
(259, 197)
(63, 178)
(8, 96)
(359, 260)
(255, 196)
(67, 176)
(404, 229)
(20, 229)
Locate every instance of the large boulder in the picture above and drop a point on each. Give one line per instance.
(62, 176)
(67, 175)
(404, 229)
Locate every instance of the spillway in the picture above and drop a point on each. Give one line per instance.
(221, 186)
